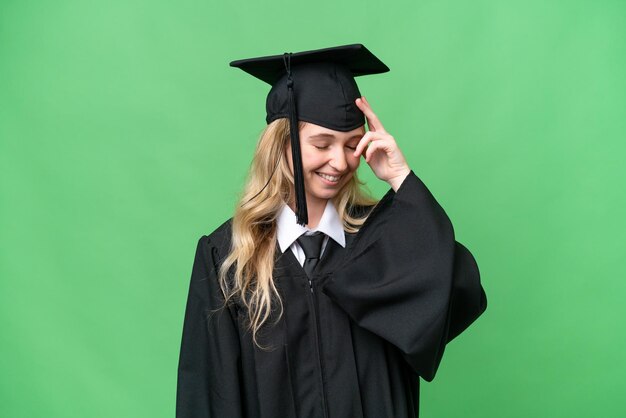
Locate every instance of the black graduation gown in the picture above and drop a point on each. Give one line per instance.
(351, 343)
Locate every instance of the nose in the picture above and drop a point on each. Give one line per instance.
(338, 160)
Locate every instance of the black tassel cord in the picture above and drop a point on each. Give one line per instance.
(302, 215)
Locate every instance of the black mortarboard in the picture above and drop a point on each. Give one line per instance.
(315, 86)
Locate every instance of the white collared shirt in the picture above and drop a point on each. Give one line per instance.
(288, 230)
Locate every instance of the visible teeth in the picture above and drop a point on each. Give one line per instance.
(329, 178)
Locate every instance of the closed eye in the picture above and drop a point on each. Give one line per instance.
(352, 148)
(318, 147)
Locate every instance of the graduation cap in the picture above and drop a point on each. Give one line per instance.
(314, 86)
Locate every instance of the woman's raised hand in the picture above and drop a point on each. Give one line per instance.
(381, 151)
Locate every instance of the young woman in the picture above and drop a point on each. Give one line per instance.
(341, 315)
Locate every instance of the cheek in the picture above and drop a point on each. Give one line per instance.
(311, 159)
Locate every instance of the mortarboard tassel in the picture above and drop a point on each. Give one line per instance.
(302, 216)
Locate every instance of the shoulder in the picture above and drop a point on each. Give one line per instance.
(360, 211)
(217, 243)
(371, 211)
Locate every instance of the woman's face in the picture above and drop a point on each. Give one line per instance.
(328, 162)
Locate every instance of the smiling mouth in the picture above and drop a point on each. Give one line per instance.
(333, 179)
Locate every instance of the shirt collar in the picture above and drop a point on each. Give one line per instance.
(288, 230)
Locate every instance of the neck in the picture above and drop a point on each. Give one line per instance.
(315, 209)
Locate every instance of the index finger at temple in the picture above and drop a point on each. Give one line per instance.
(372, 120)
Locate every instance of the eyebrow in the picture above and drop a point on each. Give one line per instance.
(325, 135)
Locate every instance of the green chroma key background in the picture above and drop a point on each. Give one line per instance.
(125, 136)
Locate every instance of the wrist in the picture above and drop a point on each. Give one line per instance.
(396, 181)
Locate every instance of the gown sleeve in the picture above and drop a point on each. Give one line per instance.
(407, 280)
(208, 369)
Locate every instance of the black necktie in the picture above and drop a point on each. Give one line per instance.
(312, 247)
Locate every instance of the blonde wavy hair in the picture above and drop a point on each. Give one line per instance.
(253, 243)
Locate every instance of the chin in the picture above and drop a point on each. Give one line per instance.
(324, 195)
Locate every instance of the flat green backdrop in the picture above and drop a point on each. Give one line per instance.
(125, 136)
